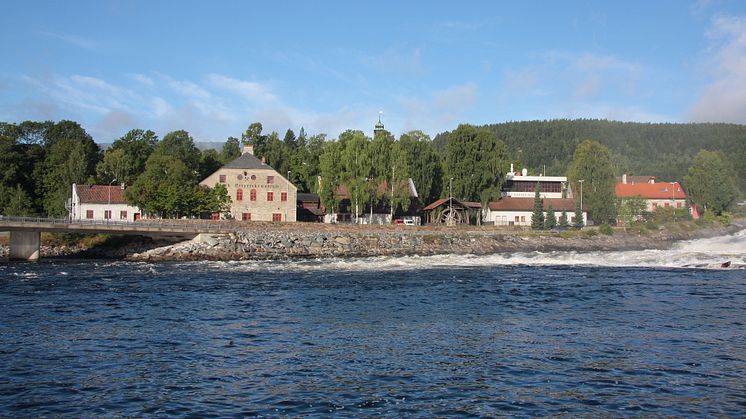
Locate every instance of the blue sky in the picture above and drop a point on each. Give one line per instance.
(214, 67)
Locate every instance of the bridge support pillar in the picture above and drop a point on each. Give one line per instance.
(24, 245)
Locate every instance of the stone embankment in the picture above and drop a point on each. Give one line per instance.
(351, 242)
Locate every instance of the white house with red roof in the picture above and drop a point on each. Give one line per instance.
(101, 202)
(520, 211)
(656, 194)
(516, 207)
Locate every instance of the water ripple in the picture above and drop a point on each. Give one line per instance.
(121, 339)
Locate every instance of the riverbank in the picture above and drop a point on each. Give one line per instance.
(278, 242)
(281, 241)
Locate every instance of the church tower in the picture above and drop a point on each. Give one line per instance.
(379, 125)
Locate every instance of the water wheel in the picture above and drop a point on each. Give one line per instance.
(451, 216)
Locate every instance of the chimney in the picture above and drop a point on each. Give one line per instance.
(264, 161)
(248, 149)
(624, 179)
(511, 168)
(524, 172)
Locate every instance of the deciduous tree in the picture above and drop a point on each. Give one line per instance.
(711, 181)
(592, 163)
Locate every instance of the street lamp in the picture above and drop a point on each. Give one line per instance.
(287, 196)
(581, 200)
(673, 200)
(450, 202)
(109, 205)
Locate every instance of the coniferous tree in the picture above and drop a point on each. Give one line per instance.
(578, 216)
(563, 220)
(537, 218)
(550, 220)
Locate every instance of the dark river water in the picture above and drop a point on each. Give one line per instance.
(373, 337)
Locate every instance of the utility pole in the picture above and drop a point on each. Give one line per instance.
(581, 199)
(450, 202)
(287, 196)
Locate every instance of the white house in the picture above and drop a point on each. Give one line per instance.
(524, 186)
(519, 211)
(516, 206)
(101, 202)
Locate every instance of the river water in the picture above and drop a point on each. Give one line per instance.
(653, 333)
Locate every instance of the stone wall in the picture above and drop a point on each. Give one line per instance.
(289, 244)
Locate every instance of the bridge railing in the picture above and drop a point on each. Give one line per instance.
(191, 225)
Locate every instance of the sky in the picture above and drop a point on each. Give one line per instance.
(214, 67)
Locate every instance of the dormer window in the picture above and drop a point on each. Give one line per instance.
(270, 180)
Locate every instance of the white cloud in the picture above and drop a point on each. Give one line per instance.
(141, 78)
(441, 110)
(397, 60)
(75, 40)
(251, 91)
(724, 99)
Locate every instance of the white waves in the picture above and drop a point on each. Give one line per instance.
(709, 253)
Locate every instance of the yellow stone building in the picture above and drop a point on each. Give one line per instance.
(258, 192)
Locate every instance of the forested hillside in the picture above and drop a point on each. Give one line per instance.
(662, 150)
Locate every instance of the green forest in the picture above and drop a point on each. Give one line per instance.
(661, 150)
(40, 161)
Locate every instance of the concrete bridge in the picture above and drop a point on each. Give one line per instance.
(25, 232)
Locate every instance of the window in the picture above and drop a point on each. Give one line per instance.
(270, 180)
(215, 216)
(283, 196)
(270, 196)
(678, 205)
(222, 178)
(655, 206)
(239, 194)
(276, 217)
(523, 218)
(252, 194)
(122, 215)
(246, 216)
(517, 219)
(107, 214)
(89, 214)
(667, 205)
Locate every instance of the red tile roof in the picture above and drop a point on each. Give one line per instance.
(527, 204)
(99, 194)
(659, 190)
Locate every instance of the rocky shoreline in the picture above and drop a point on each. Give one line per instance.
(271, 241)
(284, 243)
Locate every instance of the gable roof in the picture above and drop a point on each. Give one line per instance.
(527, 204)
(659, 190)
(458, 202)
(99, 194)
(247, 161)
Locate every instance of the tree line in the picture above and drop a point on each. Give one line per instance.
(40, 161)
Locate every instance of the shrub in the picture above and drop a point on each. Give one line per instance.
(606, 229)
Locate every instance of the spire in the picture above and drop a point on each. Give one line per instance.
(379, 125)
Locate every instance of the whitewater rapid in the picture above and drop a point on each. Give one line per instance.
(708, 253)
